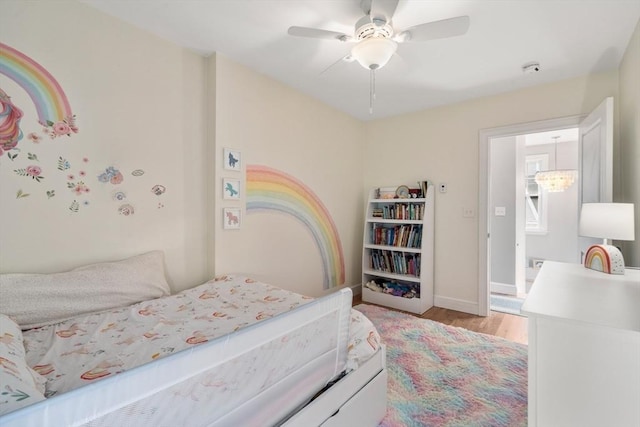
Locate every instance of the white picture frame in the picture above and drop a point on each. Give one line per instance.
(230, 189)
(232, 159)
(231, 218)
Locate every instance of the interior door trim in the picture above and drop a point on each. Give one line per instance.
(484, 169)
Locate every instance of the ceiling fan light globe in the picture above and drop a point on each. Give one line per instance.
(374, 53)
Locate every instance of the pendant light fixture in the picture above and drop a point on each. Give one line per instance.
(557, 180)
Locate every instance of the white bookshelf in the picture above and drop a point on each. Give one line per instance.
(390, 255)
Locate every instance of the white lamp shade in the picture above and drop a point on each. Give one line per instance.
(374, 53)
(607, 221)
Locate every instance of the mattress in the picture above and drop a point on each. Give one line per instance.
(87, 349)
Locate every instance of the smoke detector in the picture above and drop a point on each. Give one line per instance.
(531, 67)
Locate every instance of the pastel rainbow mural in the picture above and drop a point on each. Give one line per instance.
(270, 189)
(44, 90)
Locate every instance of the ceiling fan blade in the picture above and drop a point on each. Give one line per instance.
(383, 9)
(317, 33)
(436, 30)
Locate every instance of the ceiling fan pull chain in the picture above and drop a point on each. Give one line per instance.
(372, 79)
(373, 74)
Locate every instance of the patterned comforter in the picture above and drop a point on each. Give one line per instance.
(85, 349)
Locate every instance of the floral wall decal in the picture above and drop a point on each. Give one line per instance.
(33, 171)
(34, 137)
(71, 184)
(63, 164)
(158, 190)
(126, 210)
(79, 188)
(119, 196)
(112, 175)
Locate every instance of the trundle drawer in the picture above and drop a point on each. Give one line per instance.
(366, 408)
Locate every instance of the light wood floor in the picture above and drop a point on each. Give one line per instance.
(508, 326)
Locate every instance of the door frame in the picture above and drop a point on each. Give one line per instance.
(484, 192)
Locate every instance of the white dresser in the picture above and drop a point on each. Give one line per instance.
(584, 347)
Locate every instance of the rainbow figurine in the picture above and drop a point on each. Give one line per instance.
(604, 258)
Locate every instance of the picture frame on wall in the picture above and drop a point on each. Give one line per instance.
(230, 189)
(231, 218)
(232, 159)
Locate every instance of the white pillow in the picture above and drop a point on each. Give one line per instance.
(20, 385)
(35, 300)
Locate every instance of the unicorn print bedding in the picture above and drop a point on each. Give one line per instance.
(87, 349)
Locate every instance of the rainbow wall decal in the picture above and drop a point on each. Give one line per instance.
(45, 92)
(273, 190)
(605, 258)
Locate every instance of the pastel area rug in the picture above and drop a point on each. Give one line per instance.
(442, 375)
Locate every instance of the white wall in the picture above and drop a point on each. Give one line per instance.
(139, 105)
(276, 126)
(503, 194)
(441, 144)
(144, 103)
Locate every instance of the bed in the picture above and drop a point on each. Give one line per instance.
(232, 351)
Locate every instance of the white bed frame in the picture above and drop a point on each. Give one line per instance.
(358, 398)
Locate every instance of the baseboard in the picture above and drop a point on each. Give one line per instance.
(356, 289)
(464, 306)
(504, 288)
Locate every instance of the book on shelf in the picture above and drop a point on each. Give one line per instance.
(423, 187)
(402, 263)
(401, 211)
(406, 236)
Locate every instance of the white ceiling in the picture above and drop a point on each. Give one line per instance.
(568, 37)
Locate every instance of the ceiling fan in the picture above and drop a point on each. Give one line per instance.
(377, 40)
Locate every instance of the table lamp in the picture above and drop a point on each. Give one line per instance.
(606, 221)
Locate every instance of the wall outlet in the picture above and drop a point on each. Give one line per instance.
(501, 211)
(442, 187)
(468, 212)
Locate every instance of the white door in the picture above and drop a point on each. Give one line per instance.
(595, 149)
(521, 226)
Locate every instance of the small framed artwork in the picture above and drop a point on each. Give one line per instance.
(231, 218)
(230, 188)
(232, 159)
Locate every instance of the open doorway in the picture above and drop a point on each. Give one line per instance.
(528, 223)
(595, 179)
